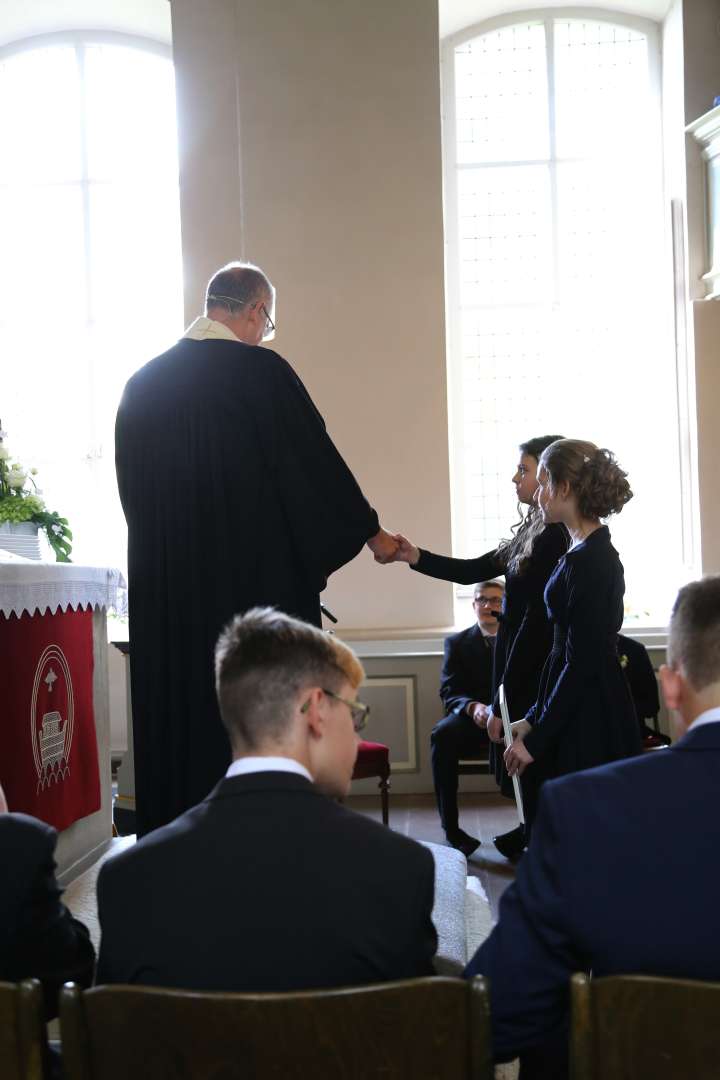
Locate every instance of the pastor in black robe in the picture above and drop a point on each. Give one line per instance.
(234, 496)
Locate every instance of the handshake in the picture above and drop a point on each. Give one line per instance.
(392, 547)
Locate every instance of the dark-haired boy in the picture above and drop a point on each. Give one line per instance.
(621, 875)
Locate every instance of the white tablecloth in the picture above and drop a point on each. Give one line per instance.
(38, 587)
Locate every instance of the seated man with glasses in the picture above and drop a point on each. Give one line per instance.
(269, 883)
(235, 497)
(466, 692)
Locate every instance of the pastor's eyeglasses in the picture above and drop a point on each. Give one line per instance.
(269, 324)
(269, 328)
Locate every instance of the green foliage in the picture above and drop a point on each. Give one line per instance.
(58, 533)
(19, 504)
(15, 510)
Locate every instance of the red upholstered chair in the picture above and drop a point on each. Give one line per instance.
(373, 759)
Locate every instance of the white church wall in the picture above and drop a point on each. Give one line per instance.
(309, 143)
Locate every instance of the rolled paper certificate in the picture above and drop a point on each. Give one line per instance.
(505, 715)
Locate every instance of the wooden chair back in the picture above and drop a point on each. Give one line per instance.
(633, 1027)
(22, 1031)
(422, 1028)
(473, 766)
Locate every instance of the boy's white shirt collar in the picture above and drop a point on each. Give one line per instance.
(710, 716)
(252, 764)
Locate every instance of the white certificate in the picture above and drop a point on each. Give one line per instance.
(508, 742)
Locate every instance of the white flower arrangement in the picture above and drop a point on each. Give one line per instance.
(21, 500)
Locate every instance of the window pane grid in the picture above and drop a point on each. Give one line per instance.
(558, 238)
(500, 91)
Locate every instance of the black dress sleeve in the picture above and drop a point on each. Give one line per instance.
(462, 571)
(533, 641)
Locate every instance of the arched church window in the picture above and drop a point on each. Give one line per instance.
(560, 314)
(90, 260)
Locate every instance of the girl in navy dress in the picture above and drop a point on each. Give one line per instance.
(524, 636)
(584, 714)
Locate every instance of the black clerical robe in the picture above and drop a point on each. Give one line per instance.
(235, 496)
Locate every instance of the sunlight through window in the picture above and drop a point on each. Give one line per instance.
(90, 264)
(560, 303)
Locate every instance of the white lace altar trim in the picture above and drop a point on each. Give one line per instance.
(39, 587)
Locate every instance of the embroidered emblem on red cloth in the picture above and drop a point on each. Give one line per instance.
(52, 714)
(49, 757)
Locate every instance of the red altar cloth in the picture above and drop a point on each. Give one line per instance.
(48, 748)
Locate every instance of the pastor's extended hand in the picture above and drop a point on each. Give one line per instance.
(517, 758)
(384, 546)
(406, 550)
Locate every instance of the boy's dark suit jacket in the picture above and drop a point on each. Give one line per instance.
(467, 669)
(267, 885)
(38, 936)
(621, 876)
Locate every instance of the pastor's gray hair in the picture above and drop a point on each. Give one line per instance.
(238, 284)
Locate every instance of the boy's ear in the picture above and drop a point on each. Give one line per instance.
(672, 683)
(313, 714)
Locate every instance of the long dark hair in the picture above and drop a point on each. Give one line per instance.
(515, 552)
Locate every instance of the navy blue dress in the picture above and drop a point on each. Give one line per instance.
(584, 714)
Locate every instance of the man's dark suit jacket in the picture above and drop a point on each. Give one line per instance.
(267, 885)
(641, 679)
(621, 877)
(38, 936)
(467, 669)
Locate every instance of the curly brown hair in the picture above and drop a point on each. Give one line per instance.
(596, 480)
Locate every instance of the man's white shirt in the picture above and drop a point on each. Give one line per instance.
(246, 765)
(710, 716)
